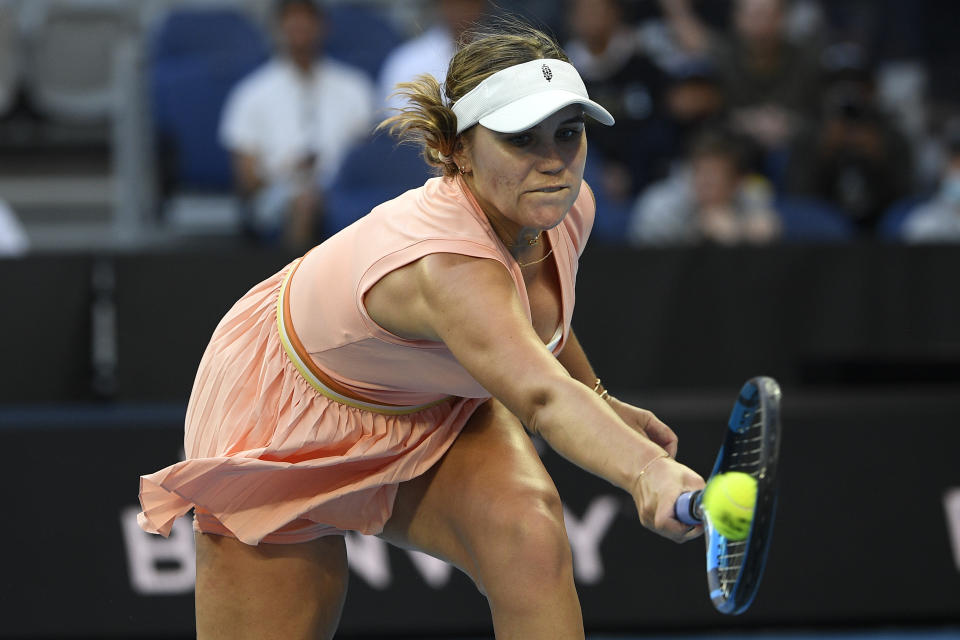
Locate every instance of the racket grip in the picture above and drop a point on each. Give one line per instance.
(688, 509)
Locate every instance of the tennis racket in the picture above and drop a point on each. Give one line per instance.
(751, 445)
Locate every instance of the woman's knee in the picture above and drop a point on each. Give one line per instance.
(524, 531)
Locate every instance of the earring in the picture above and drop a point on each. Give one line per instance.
(462, 171)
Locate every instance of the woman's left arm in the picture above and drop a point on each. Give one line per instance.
(575, 361)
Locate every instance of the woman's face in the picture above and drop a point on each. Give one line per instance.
(531, 178)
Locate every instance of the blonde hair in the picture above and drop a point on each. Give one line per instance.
(428, 120)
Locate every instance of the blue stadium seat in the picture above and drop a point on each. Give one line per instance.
(890, 226)
(811, 220)
(373, 172)
(360, 36)
(612, 218)
(196, 57)
(191, 31)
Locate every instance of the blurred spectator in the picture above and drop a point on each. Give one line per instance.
(895, 36)
(888, 30)
(607, 52)
(431, 51)
(290, 123)
(938, 219)
(694, 101)
(547, 15)
(856, 158)
(13, 239)
(939, 53)
(713, 199)
(770, 83)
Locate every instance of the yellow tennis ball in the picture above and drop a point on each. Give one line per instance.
(728, 501)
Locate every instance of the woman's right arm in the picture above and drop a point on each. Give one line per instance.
(473, 307)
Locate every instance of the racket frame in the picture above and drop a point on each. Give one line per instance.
(760, 393)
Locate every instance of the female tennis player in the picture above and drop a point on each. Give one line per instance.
(382, 382)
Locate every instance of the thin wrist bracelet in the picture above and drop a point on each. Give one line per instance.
(599, 388)
(650, 462)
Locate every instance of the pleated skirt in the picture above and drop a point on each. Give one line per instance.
(271, 459)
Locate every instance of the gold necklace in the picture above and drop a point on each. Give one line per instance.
(497, 229)
(531, 242)
(538, 260)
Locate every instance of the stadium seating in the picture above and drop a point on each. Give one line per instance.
(373, 172)
(612, 219)
(890, 227)
(360, 36)
(810, 220)
(69, 62)
(197, 55)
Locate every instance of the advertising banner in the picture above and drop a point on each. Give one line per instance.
(865, 532)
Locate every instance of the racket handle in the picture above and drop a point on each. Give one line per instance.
(688, 509)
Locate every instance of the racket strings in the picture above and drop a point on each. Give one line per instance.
(734, 550)
(746, 448)
(745, 453)
(729, 566)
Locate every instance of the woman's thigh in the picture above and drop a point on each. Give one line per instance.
(289, 591)
(489, 489)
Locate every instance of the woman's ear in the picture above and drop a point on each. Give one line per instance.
(461, 154)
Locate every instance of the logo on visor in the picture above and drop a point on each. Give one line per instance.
(547, 73)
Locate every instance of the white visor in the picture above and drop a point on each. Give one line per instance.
(518, 97)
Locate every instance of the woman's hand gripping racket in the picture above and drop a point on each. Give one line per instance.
(737, 507)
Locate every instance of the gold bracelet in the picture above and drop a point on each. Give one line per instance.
(599, 389)
(650, 462)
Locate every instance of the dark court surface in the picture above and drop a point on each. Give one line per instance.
(885, 633)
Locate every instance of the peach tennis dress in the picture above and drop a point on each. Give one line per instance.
(305, 414)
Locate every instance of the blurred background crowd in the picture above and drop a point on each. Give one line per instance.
(133, 123)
